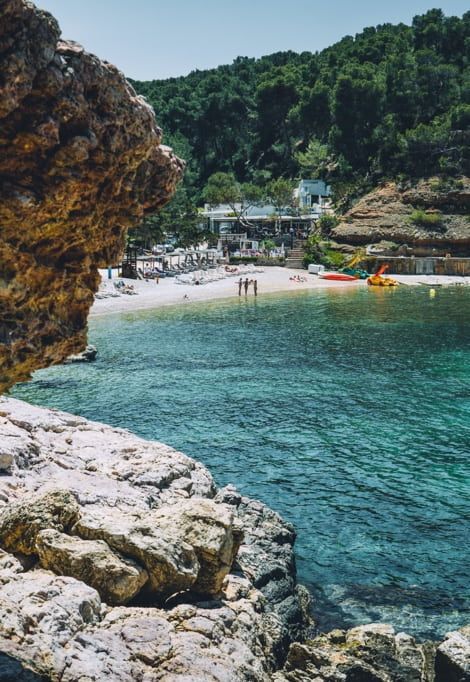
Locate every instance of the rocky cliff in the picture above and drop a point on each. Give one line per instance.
(430, 212)
(81, 160)
(121, 560)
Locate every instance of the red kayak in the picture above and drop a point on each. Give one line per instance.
(339, 276)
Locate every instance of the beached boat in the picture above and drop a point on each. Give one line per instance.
(339, 276)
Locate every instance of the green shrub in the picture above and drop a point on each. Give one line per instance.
(420, 217)
(334, 259)
(326, 223)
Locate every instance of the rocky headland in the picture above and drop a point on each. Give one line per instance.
(119, 557)
(427, 213)
(81, 160)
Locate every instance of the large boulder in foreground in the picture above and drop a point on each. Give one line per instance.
(117, 579)
(453, 657)
(81, 161)
(159, 510)
(21, 522)
(189, 545)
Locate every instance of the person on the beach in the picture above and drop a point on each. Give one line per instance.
(255, 287)
(240, 283)
(246, 283)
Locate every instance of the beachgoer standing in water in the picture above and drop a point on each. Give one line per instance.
(240, 283)
(255, 286)
(246, 283)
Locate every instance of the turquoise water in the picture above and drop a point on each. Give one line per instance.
(346, 411)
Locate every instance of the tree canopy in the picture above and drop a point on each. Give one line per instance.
(393, 100)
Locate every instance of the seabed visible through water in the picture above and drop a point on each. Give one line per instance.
(346, 411)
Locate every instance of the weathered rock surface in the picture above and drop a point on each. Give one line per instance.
(385, 213)
(266, 556)
(453, 657)
(117, 579)
(369, 653)
(190, 545)
(20, 523)
(143, 501)
(81, 160)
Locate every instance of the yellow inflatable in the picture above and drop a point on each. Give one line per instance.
(378, 281)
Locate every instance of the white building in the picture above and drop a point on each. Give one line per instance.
(311, 196)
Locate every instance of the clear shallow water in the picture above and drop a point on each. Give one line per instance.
(346, 411)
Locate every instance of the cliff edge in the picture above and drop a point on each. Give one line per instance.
(432, 213)
(81, 160)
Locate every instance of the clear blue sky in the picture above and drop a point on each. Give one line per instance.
(160, 38)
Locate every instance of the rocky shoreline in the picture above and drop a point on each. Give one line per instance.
(201, 603)
(121, 560)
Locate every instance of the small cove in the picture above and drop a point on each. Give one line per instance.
(346, 411)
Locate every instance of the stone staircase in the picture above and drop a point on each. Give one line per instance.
(295, 257)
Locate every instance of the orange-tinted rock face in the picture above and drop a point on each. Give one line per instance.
(80, 162)
(386, 214)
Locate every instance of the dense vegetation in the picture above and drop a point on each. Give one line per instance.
(391, 101)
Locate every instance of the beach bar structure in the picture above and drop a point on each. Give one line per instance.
(134, 266)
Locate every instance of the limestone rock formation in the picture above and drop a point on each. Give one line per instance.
(386, 214)
(369, 653)
(81, 160)
(453, 657)
(20, 523)
(58, 627)
(232, 619)
(190, 545)
(117, 579)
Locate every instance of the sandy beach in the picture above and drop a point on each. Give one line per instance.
(270, 280)
(169, 292)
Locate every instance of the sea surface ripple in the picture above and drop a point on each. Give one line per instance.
(346, 411)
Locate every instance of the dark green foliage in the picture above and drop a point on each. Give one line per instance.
(393, 100)
(326, 223)
(179, 217)
(318, 251)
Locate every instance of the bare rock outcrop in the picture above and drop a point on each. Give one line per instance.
(106, 517)
(21, 523)
(453, 657)
(369, 653)
(386, 214)
(81, 160)
(117, 579)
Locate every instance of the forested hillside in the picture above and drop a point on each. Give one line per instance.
(391, 101)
